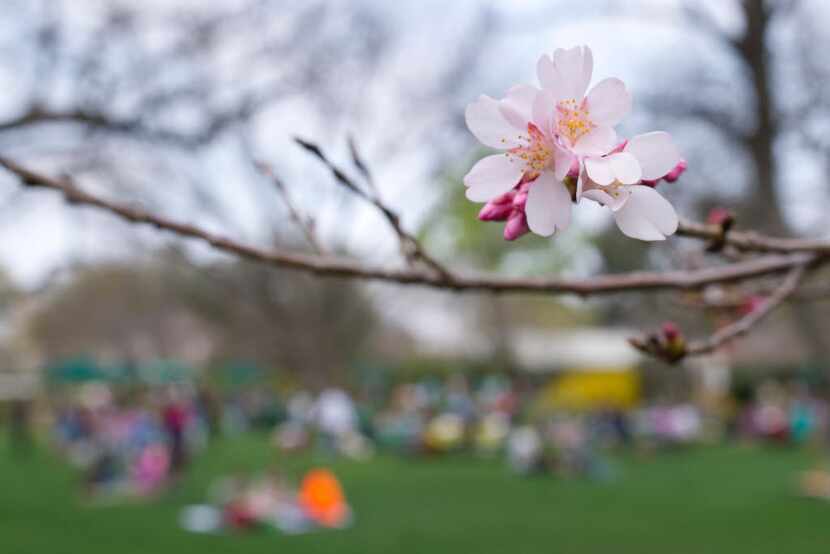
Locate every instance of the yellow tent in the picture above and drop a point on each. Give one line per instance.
(591, 389)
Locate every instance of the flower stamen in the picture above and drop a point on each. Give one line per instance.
(574, 120)
(536, 155)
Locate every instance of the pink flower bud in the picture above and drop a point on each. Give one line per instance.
(675, 173)
(520, 200)
(669, 177)
(495, 212)
(505, 198)
(670, 331)
(720, 216)
(516, 226)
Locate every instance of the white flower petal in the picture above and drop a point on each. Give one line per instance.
(544, 111)
(646, 215)
(587, 68)
(596, 142)
(608, 102)
(548, 206)
(549, 78)
(517, 106)
(570, 65)
(625, 167)
(562, 161)
(491, 177)
(656, 153)
(485, 121)
(599, 196)
(600, 170)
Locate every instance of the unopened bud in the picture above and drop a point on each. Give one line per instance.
(495, 212)
(675, 173)
(516, 226)
(667, 344)
(721, 217)
(669, 177)
(673, 344)
(670, 330)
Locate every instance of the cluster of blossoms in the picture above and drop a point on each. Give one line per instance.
(559, 146)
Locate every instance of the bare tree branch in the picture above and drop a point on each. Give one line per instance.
(753, 318)
(305, 224)
(751, 241)
(337, 266)
(38, 115)
(361, 166)
(410, 245)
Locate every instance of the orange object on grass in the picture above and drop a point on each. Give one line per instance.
(322, 498)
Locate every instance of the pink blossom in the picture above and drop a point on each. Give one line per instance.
(530, 157)
(561, 132)
(583, 124)
(616, 180)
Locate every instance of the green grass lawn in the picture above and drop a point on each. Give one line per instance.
(729, 500)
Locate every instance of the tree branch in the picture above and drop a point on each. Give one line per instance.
(410, 245)
(746, 323)
(750, 241)
(341, 267)
(306, 224)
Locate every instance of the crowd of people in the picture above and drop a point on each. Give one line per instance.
(137, 444)
(124, 446)
(434, 417)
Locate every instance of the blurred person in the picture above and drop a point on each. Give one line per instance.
(151, 469)
(335, 416)
(175, 418)
(525, 453)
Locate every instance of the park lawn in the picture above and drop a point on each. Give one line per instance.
(724, 499)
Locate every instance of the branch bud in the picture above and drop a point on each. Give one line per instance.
(667, 344)
(724, 220)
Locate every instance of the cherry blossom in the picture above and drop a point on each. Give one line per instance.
(583, 124)
(558, 144)
(531, 156)
(615, 181)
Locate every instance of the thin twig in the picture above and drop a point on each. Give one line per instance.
(750, 241)
(410, 245)
(361, 166)
(746, 323)
(306, 224)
